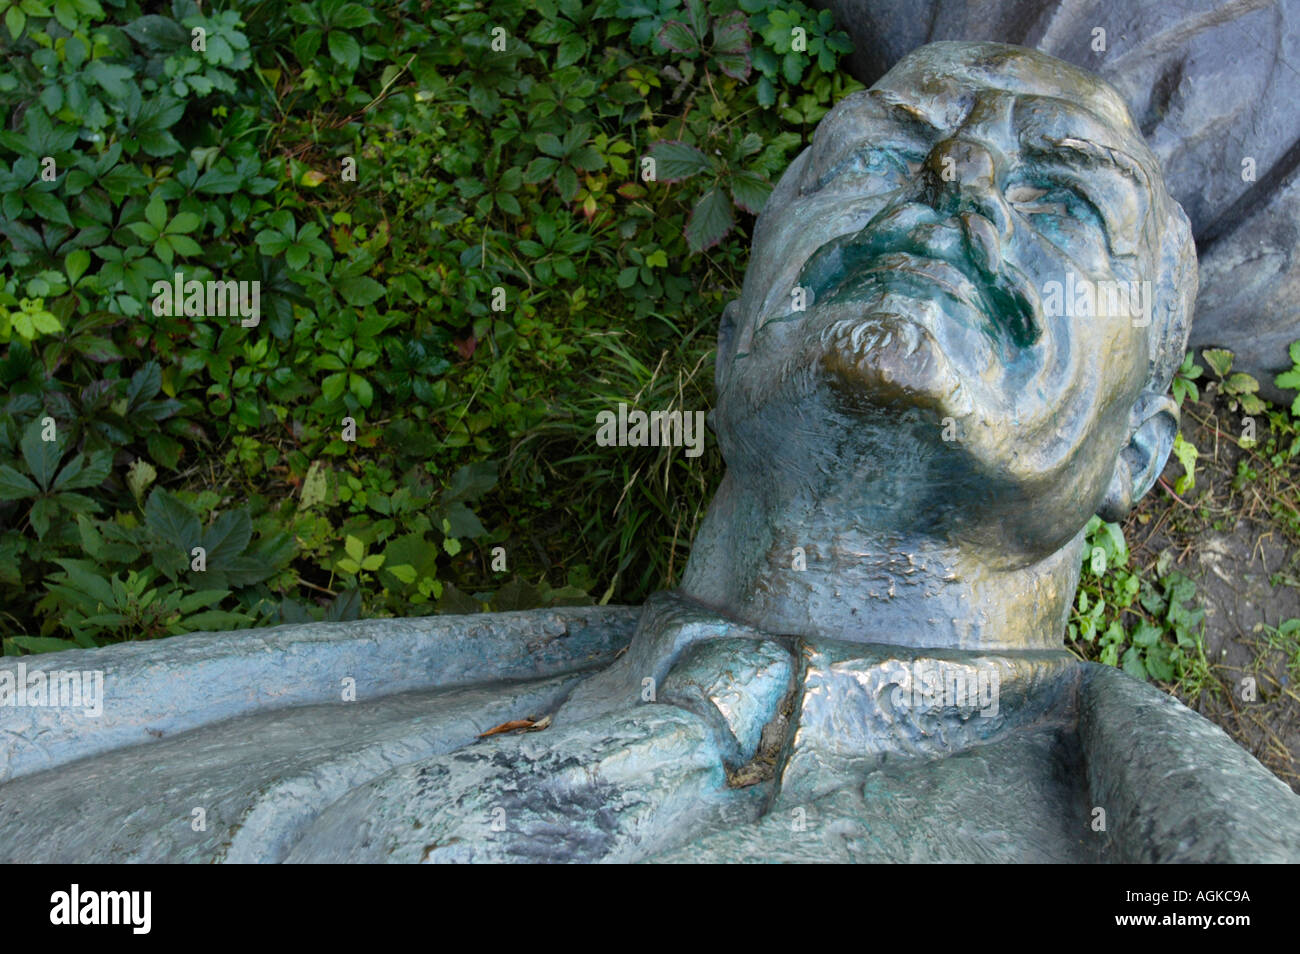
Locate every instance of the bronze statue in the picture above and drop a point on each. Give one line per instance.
(965, 304)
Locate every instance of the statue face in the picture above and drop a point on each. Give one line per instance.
(976, 240)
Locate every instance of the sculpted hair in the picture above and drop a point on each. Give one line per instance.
(1175, 295)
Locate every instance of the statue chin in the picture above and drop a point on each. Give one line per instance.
(892, 360)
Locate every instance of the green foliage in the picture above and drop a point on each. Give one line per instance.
(1184, 384)
(1123, 618)
(1185, 453)
(493, 149)
(1290, 380)
(1239, 388)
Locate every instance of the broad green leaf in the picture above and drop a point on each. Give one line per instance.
(183, 222)
(227, 538)
(171, 522)
(675, 161)
(360, 291)
(85, 471)
(1219, 360)
(15, 486)
(214, 621)
(197, 601)
(1290, 380)
(344, 49)
(710, 220)
(42, 456)
(75, 265)
(404, 573)
(36, 644)
(750, 191)
(677, 37)
(315, 486)
(140, 475)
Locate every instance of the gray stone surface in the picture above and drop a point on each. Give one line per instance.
(260, 780)
(738, 685)
(616, 789)
(860, 711)
(1211, 83)
(154, 690)
(1013, 801)
(1178, 789)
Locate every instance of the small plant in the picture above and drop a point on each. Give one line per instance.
(1184, 384)
(1146, 627)
(1290, 380)
(1238, 387)
(1185, 453)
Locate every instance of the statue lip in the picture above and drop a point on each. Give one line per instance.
(947, 277)
(1005, 299)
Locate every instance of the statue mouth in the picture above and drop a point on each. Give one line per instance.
(922, 275)
(996, 297)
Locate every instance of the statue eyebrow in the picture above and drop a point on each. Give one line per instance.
(1096, 154)
(905, 111)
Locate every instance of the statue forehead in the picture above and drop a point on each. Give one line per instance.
(943, 80)
(1006, 92)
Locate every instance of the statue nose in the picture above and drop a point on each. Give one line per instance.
(961, 180)
(955, 168)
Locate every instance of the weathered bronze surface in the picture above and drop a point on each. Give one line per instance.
(929, 385)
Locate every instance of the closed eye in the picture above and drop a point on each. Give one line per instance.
(874, 161)
(1059, 200)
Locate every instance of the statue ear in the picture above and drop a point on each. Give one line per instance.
(726, 340)
(1155, 420)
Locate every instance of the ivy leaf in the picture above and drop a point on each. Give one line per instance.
(344, 50)
(171, 522)
(42, 456)
(15, 486)
(750, 192)
(675, 161)
(1219, 360)
(710, 220)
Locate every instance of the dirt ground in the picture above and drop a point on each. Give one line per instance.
(1235, 536)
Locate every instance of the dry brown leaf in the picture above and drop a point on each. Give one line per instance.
(528, 725)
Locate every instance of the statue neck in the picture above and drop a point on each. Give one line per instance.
(795, 571)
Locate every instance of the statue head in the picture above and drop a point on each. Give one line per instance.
(965, 304)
